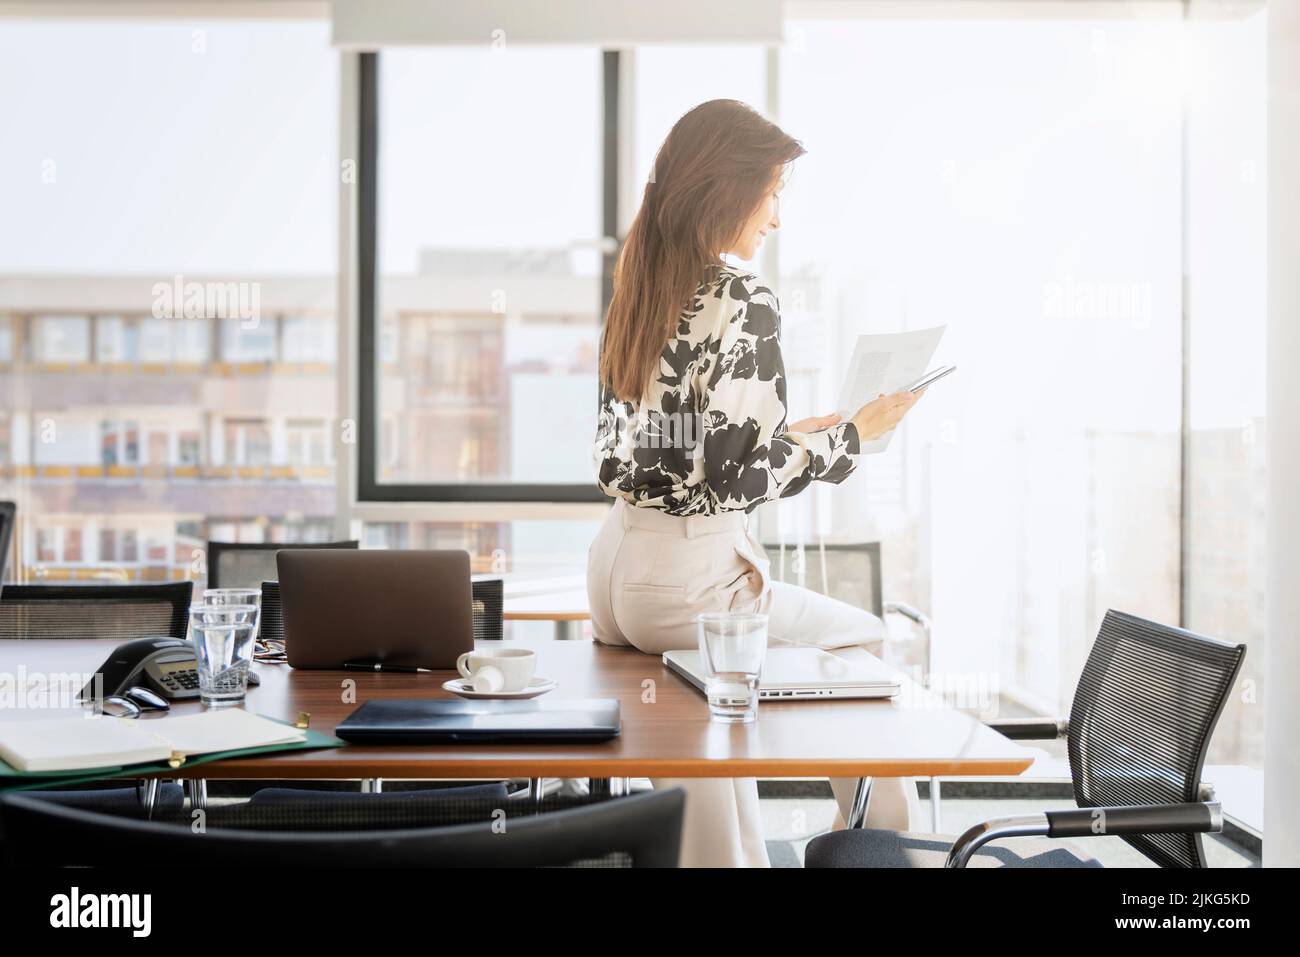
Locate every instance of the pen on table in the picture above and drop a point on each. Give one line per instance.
(380, 666)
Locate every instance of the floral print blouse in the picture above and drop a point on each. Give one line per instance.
(710, 433)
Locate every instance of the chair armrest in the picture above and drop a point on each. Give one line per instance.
(1089, 822)
(907, 611)
(1031, 729)
(1022, 825)
(922, 621)
(1199, 817)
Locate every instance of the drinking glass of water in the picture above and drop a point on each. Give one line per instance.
(732, 648)
(223, 645)
(236, 596)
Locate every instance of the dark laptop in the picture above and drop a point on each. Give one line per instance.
(400, 608)
(422, 721)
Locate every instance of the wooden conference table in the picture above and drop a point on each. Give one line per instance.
(666, 727)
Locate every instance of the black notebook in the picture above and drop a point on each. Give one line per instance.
(421, 721)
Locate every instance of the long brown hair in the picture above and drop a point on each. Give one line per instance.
(710, 175)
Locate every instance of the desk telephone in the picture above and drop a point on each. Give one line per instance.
(165, 666)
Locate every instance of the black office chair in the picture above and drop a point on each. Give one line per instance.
(494, 792)
(124, 612)
(488, 596)
(1143, 713)
(123, 801)
(248, 564)
(8, 515)
(641, 831)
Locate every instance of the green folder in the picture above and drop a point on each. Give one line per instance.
(12, 779)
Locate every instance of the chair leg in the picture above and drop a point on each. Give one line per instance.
(147, 790)
(936, 826)
(372, 785)
(600, 787)
(196, 791)
(536, 789)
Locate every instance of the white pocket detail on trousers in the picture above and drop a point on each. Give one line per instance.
(675, 593)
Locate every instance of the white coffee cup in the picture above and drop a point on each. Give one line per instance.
(501, 669)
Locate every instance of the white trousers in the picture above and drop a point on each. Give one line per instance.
(648, 576)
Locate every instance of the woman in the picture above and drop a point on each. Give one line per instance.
(692, 436)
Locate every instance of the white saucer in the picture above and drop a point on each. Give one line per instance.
(538, 686)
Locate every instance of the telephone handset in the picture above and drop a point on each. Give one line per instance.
(165, 666)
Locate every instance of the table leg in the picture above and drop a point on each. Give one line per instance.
(861, 798)
(567, 630)
(935, 823)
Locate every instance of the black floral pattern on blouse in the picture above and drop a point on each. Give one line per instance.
(710, 433)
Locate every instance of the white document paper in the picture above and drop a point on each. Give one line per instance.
(883, 364)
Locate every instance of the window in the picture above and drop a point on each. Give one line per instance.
(128, 545)
(248, 442)
(151, 233)
(1021, 181)
(119, 443)
(1224, 548)
(189, 445)
(47, 544)
(482, 343)
(1007, 180)
(174, 340)
(309, 339)
(245, 340)
(60, 339)
(116, 340)
(72, 546)
(308, 441)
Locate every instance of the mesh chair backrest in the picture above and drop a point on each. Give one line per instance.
(248, 564)
(271, 616)
(1141, 722)
(639, 831)
(8, 513)
(849, 572)
(488, 596)
(124, 612)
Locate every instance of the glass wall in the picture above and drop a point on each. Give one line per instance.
(1019, 183)
(167, 352)
(1227, 252)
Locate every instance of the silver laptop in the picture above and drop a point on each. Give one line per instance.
(803, 674)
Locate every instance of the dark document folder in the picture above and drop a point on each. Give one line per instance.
(421, 721)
